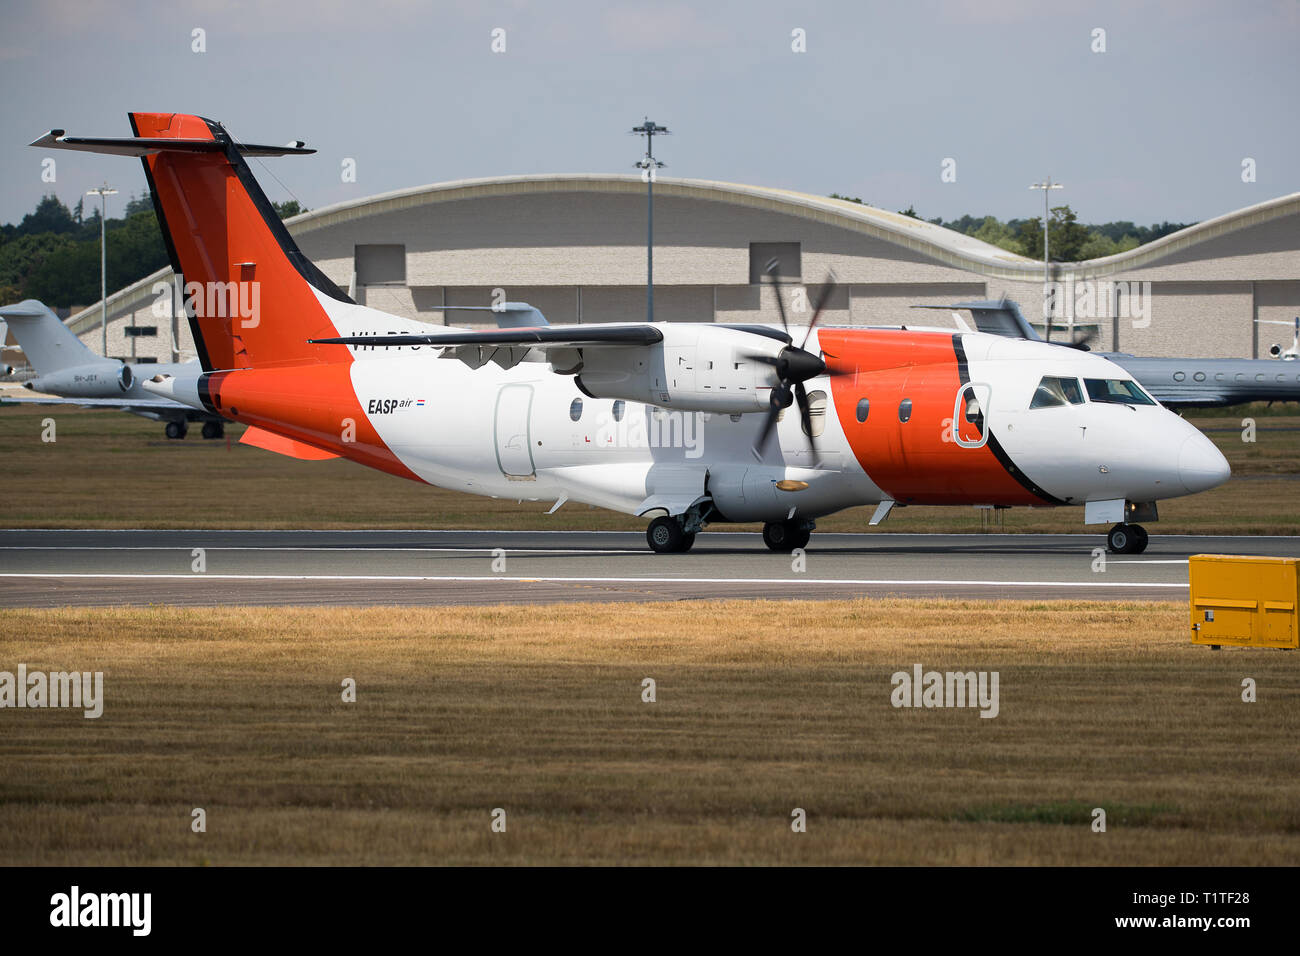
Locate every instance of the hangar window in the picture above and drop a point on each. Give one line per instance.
(1116, 391)
(1199, 376)
(575, 409)
(1179, 376)
(864, 409)
(788, 259)
(816, 414)
(620, 407)
(380, 264)
(141, 331)
(1053, 391)
(905, 410)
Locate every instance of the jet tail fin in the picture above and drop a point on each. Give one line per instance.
(48, 344)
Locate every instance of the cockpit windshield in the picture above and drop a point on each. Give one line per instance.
(1053, 391)
(1116, 391)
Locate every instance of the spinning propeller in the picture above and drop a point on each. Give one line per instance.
(794, 366)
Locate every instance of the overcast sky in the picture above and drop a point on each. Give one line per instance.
(1154, 128)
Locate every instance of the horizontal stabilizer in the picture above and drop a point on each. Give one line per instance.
(289, 447)
(149, 145)
(510, 315)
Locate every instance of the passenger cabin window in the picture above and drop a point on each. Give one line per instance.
(620, 407)
(864, 408)
(905, 410)
(575, 409)
(1053, 391)
(1116, 391)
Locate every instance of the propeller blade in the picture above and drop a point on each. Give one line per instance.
(828, 288)
(805, 415)
(774, 270)
(769, 424)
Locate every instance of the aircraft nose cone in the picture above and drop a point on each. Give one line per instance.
(1201, 466)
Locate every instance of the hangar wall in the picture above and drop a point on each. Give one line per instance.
(574, 246)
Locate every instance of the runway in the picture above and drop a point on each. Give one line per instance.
(96, 568)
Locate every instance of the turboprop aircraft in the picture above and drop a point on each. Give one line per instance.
(65, 368)
(683, 423)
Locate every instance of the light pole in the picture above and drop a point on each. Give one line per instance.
(648, 165)
(1046, 186)
(103, 192)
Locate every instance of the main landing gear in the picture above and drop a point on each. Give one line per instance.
(212, 430)
(1127, 539)
(666, 536)
(176, 430)
(785, 536)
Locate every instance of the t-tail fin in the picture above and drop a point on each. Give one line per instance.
(252, 296)
(48, 344)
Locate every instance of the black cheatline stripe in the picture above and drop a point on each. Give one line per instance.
(205, 393)
(1000, 453)
(202, 350)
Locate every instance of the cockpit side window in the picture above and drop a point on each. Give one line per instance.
(1116, 391)
(1053, 391)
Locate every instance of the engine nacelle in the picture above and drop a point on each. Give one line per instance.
(695, 368)
(101, 380)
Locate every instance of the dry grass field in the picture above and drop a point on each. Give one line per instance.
(761, 707)
(109, 470)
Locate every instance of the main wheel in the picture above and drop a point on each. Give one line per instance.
(665, 535)
(1126, 539)
(1142, 538)
(214, 430)
(785, 536)
(176, 430)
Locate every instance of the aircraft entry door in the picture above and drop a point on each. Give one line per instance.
(513, 439)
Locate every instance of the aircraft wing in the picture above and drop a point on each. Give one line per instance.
(508, 346)
(548, 336)
(122, 404)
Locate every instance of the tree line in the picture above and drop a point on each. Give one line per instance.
(53, 253)
(1069, 239)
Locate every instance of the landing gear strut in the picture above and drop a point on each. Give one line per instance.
(214, 430)
(176, 430)
(1127, 539)
(666, 536)
(785, 536)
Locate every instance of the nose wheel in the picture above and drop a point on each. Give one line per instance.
(1127, 539)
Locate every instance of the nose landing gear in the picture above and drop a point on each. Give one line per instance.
(1127, 539)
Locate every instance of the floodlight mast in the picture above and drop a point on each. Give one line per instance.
(1047, 186)
(649, 129)
(103, 192)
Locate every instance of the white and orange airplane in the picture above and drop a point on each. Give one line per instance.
(682, 423)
